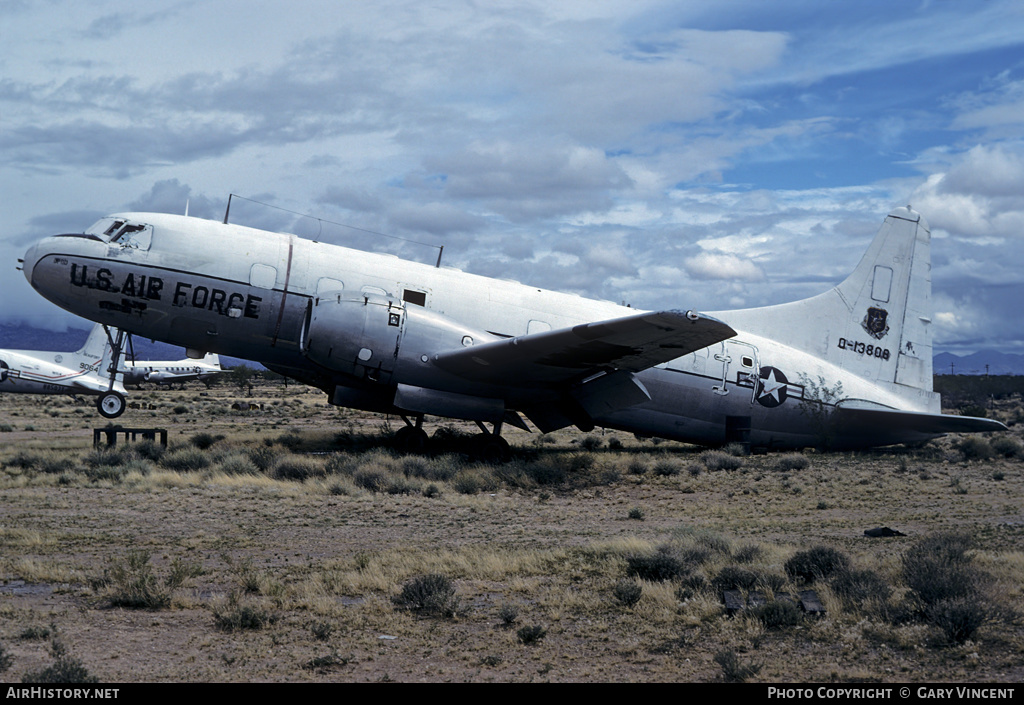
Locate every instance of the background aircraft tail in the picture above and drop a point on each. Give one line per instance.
(99, 337)
(877, 323)
(95, 345)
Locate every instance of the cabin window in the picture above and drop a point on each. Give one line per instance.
(419, 298)
(263, 276)
(326, 285)
(747, 361)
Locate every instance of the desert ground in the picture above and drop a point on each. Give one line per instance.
(279, 539)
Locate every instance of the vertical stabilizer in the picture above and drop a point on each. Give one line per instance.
(877, 323)
(890, 293)
(99, 353)
(95, 345)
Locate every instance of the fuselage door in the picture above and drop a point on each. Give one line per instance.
(723, 361)
(739, 364)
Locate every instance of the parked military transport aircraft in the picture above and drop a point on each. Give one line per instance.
(173, 372)
(851, 367)
(83, 372)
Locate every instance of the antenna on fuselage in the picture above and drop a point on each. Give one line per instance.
(321, 221)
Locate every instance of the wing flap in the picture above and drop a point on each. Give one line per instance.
(631, 344)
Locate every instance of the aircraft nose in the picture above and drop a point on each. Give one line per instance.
(28, 263)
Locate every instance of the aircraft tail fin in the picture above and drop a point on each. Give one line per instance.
(875, 324)
(889, 298)
(98, 354)
(95, 345)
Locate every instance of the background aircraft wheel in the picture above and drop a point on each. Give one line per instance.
(110, 405)
(410, 439)
(489, 448)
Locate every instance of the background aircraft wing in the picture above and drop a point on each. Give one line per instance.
(629, 344)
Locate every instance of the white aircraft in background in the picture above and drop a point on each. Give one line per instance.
(86, 371)
(173, 372)
(852, 366)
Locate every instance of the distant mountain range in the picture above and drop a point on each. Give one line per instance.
(982, 362)
(25, 337)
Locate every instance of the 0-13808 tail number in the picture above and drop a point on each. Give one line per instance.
(864, 349)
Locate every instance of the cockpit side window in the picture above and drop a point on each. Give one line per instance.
(127, 229)
(122, 232)
(113, 229)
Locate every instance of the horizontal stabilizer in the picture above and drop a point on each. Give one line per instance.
(850, 420)
(94, 384)
(632, 344)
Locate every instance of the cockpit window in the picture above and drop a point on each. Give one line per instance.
(114, 227)
(122, 232)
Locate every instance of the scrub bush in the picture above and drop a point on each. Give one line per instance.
(816, 563)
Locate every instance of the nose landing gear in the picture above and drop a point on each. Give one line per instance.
(111, 403)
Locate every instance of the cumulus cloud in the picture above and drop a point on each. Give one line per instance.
(989, 170)
(710, 265)
(981, 193)
(529, 180)
(435, 218)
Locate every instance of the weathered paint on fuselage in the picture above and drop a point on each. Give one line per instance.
(243, 292)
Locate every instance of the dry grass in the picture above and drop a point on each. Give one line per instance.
(301, 555)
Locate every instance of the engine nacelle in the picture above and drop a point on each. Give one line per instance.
(370, 336)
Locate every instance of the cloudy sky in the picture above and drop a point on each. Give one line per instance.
(666, 154)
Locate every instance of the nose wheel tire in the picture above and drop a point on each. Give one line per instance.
(110, 405)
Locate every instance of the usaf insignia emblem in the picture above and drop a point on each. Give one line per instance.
(772, 387)
(875, 322)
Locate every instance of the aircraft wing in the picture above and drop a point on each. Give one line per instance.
(628, 344)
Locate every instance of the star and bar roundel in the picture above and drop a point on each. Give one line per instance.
(772, 387)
